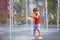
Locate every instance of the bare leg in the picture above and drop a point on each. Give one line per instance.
(34, 32)
(6, 22)
(40, 34)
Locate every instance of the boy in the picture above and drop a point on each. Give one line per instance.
(36, 18)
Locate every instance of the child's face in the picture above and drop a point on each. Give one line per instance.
(35, 12)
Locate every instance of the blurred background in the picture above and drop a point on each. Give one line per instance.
(21, 10)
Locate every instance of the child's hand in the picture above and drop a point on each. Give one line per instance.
(31, 16)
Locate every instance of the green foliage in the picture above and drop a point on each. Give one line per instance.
(52, 8)
(52, 21)
(21, 19)
(2, 17)
(22, 3)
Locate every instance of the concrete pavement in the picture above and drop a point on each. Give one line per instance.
(25, 33)
(21, 32)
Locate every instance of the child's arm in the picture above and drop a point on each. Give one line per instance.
(36, 16)
(31, 16)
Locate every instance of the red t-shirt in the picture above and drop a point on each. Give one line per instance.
(37, 20)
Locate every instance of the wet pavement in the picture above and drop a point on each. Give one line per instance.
(21, 32)
(25, 33)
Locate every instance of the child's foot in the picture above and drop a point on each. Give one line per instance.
(40, 38)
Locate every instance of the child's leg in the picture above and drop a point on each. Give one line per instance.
(34, 32)
(6, 21)
(40, 33)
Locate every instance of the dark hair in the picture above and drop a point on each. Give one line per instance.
(35, 9)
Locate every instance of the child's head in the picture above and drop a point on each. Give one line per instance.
(36, 10)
